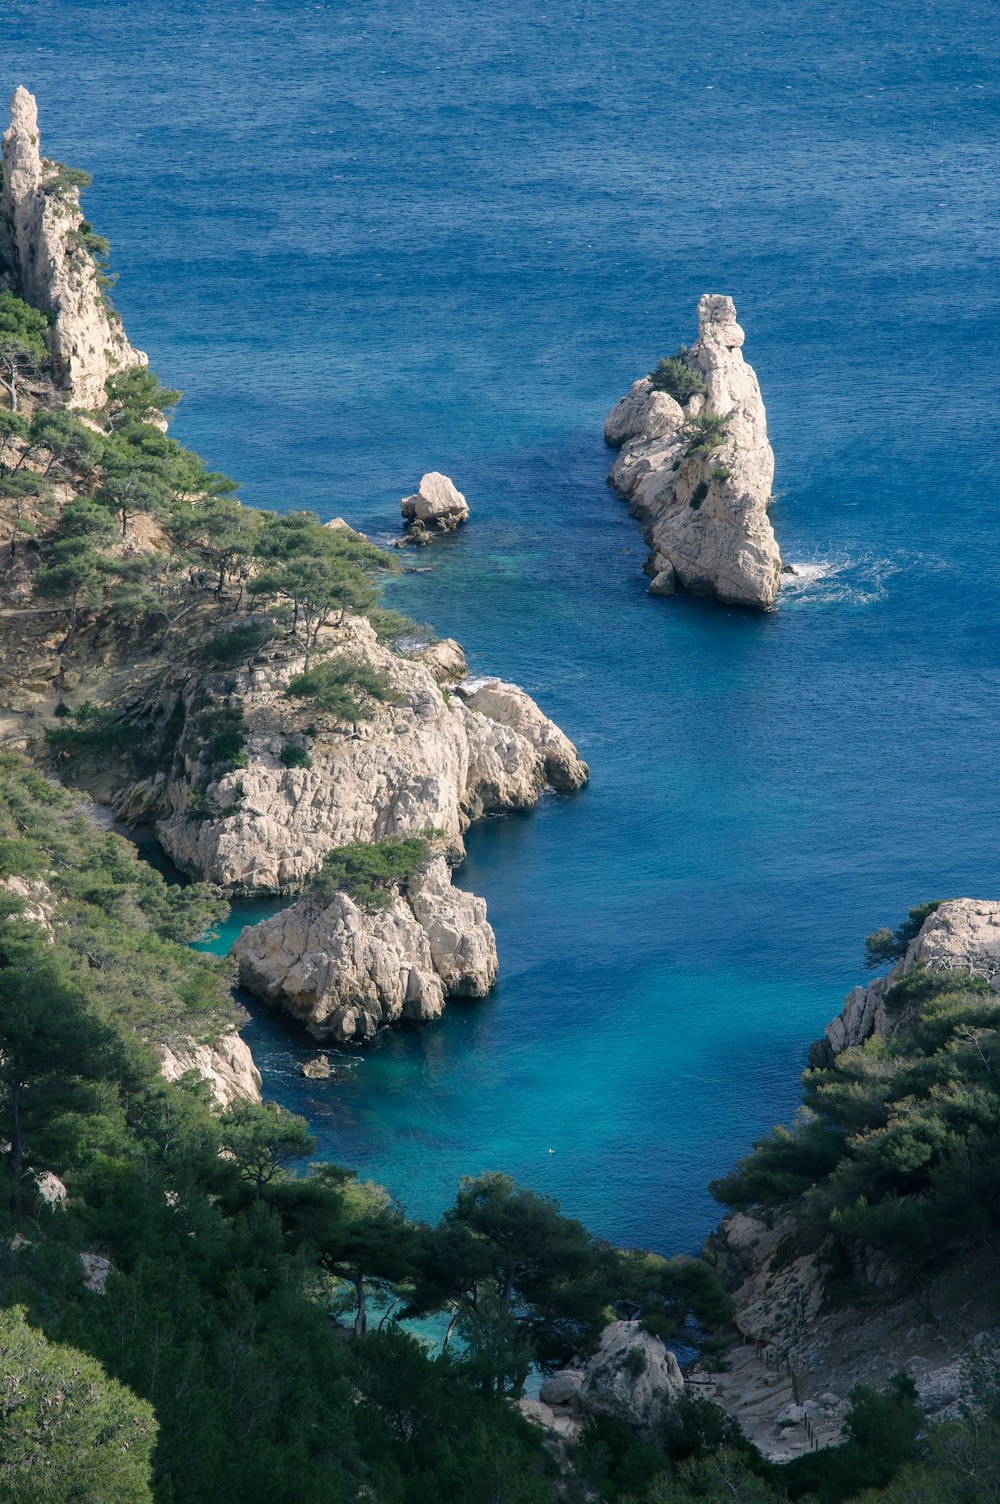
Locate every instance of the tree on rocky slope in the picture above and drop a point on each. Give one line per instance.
(22, 343)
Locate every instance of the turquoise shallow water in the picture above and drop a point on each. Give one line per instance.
(372, 240)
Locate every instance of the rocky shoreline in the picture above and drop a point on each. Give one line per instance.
(435, 751)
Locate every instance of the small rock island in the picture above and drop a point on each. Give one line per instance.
(437, 506)
(696, 467)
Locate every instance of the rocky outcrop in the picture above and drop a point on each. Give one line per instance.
(45, 259)
(632, 1377)
(36, 900)
(226, 1065)
(424, 761)
(789, 1385)
(962, 934)
(437, 506)
(345, 972)
(702, 499)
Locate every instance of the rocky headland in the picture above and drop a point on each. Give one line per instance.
(696, 467)
(821, 1308)
(289, 716)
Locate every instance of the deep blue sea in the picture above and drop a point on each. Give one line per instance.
(370, 240)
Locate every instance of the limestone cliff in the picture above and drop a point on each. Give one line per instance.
(44, 258)
(429, 760)
(227, 1066)
(702, 494)
(345, 973)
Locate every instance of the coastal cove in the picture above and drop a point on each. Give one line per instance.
(347, 306)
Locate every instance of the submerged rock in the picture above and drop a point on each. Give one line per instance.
(436, 506)
(45, 260)
(702, 498)
(345, 972)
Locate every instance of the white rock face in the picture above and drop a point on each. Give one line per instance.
(422, 763)
(345, 973)
(508, 705)
(962, 935)
(704, 516)
(632, 1377)
(227, 1067)
(437, 504)
(50, 269)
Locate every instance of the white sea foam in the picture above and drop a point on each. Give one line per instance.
(858, 581)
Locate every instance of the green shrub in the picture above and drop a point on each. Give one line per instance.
(95, 728)
(343, 686)
(704, 433)
(674, 376)
(295, 757)
(390, 625)
(370, 872)
(884, 946)
(231, 648)
(698, 494)
(221, 729)
(721, 473)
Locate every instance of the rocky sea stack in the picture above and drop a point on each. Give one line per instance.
(696, 467)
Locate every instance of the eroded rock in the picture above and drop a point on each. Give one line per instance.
(436, 506)
(345, 972)
(49, 266)
(704, 514)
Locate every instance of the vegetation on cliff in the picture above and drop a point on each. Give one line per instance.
(898, 1143)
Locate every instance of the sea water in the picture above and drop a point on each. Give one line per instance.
(370, 240)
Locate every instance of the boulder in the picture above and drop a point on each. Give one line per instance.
(437, 505)
(704, 515)
(446, 661)
(317, 1069)
(632, 1377)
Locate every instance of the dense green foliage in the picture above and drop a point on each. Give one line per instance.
(371, 872)
(22, 343)
(67, 1431)
(674, 376)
